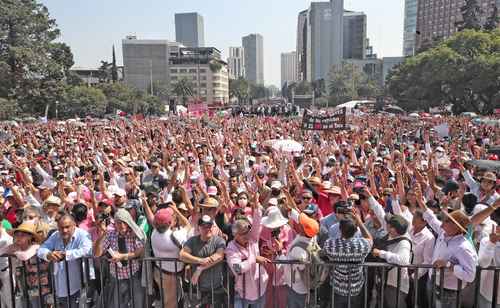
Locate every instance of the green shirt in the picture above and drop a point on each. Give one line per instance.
(6, 225)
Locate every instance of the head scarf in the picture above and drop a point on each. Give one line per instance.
(124, 215)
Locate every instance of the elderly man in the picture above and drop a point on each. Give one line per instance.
(205, 252)
(66, 247)
(452, 252)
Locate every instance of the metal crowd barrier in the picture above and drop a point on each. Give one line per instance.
(95, 277)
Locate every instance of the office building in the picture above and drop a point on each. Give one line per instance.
(146, 61)
(253, 44)
(190, 29)
(322, 39)
(410, 27)
(437, 19)
(93, 76)
(302, 46)
(205, 70)
(354, 37)
(236, 62)
(288, 67)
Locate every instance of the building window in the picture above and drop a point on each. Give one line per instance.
(203, 77)
(203, 70)
(193, 70)
(174, 78)
(183, 70)
(173, 70)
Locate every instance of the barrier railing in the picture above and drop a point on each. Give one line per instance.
(94, 282)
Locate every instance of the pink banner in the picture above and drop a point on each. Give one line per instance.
(197, 110)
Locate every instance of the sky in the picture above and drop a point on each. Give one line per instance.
(91, 27)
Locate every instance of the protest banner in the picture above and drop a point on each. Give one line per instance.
(334, 121)
(197, 109)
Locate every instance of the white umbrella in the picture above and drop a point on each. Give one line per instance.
(414, 115)
(285, 145)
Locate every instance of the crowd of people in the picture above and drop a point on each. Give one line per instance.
(134, 212)
(271, 110)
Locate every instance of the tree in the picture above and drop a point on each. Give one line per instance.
(258, 91)
(183, 89)
(114, 68)
(105, 72)
(471, 16)
(348, 82)
(8, 109)
(215, 66)
(161, 90)
(493, 20)
(120, 97)
(32, 64)
(82, 101)
(462, 70)
(239, 88)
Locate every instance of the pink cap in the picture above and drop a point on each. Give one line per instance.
(212, 190)
(163, 216)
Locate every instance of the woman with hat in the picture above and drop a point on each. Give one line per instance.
(169, 234)
(485, 190)
(275, 238)
(123, 245)
(31, 272)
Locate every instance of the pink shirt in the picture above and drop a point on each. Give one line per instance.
(250, 274)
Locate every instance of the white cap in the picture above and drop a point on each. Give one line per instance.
(276, 185)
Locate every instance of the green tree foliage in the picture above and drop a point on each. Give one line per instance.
(32, 64)
(183, 89)
(240, 89)
(348, 82)
(8, 109)
(462, 70)
(82, 101)
(258, 91)
(471, 16)
(493, 20)
(120, 97)
(161, 90)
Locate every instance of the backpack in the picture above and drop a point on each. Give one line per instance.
(383, 243)
(315, 273)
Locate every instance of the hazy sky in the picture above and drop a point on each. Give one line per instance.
(91, 27)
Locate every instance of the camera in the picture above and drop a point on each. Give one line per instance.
(103, 217)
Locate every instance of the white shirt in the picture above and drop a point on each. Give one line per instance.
(455, 249)
(297, 254)
(164, 247)
(399, 253)
(475, 188)
(5, 241)
(423, 247)
(489, 255)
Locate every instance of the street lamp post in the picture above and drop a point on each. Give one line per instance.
(57, 109)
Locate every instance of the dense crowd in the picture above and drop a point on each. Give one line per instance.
(272, 110)
(214, 194)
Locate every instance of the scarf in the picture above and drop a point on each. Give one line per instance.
(124, 215)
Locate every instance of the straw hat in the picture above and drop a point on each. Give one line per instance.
(459, 218)
(211, 203)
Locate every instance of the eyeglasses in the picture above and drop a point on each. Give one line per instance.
(306, 198)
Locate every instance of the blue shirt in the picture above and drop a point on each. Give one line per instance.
(79, 246)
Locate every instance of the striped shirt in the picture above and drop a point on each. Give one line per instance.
(346, 277)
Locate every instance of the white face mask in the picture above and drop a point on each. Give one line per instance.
(242, 202)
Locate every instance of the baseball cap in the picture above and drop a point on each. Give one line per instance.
(163, 216)
(311, 209)
(276, 185)
(205, 220)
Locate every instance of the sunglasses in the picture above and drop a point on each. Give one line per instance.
(307, 198)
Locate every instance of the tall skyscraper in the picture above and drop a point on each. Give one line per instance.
(236, 62)
(146, 61)
(253, 44)
(355, 42)
(288, 67)
(437, 19)
(302, 45)
(190, 29)
(410, 27)
(322, 39)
